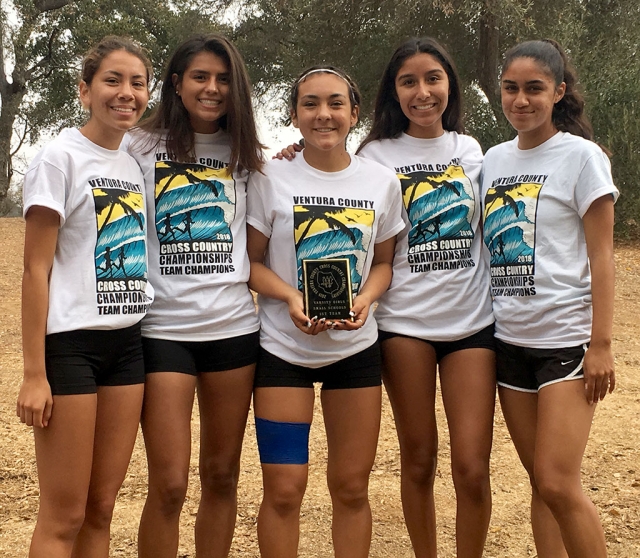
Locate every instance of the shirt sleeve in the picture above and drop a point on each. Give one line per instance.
(256, 204)
(45, 185)
(594, 181)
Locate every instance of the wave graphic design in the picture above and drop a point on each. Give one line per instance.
(200, 224)
(509, 224)
(438, 205)
(334, 244)
(120, 251)
(333, 232)
(194, 202)
(509, 247)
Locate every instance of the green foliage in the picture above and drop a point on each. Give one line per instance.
(281, 37)
(44, 41)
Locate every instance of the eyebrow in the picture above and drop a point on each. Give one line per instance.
(434, 71)
(531, 81)
(120, 75)
(198, 71)
(333, 95)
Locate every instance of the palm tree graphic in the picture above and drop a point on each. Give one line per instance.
(174, 170)
(502, 193)
(312, 213)
(111, 197)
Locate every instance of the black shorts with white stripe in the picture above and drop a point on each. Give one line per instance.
(527, 369)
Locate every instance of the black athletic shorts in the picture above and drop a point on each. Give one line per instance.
(483, 339)
(193, 357)
(526, 369)
(79, 361)
(364, 369)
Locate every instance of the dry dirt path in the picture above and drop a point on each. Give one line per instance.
(611, 465)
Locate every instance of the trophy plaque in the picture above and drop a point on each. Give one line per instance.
(327, 288)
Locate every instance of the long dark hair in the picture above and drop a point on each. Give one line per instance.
(388, 119)
(239, 122)
(568, 113)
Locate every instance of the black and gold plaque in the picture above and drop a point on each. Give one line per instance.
(327, 288)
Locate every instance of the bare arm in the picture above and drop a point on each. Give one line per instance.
(376, 284)
(267, 283)
(35, 401)
(599, 371)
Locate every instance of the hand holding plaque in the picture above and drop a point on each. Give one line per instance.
(327, 288)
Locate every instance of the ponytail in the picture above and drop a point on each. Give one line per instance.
(568, 113)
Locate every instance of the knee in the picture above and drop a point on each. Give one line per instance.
(219, 479)
(169, 495)
(62, 519)
(472, 479)
(350, 491)
(100, 510)
(419, 467)
(556, 488)
(285, 495)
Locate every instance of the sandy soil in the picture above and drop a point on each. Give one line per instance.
(611, 465)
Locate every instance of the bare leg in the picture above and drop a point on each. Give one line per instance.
(284, 485)
(64, 452)
(468, 382)
(352, 422)
(224, 399)
(564, 422)
(520, 411)
(117, 422)
(410, 380)
(166, 425)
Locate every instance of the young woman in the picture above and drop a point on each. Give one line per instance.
(202, 332)
(548, 222)
(326, 206)
(84, 292)
(436, 315)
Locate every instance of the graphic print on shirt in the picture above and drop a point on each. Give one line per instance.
(120, 252)
(330, 231)
(440, 206)
(195, 206)
(510, 206)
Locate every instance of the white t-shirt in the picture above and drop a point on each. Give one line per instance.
(198, 260)
(534, 201)
(440, 286)
(310, 214)
(99, 274)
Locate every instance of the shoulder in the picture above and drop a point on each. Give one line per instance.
(61, 151)
(140, 142)
(466, 142)
(581, 147)
(374, 168)
(501, 150)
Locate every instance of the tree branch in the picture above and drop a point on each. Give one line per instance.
(3, 75)
(47, 5)
(46, 59)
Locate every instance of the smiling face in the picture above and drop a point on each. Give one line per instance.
(422, 90)
(324, 113)
(116, 98)
(529, 94)
(204, 90)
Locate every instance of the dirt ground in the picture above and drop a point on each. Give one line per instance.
(611, 469)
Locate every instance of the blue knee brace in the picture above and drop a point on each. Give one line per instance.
(283, 443)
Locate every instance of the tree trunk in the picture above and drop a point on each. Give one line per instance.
(488, 55)
(10, 104)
